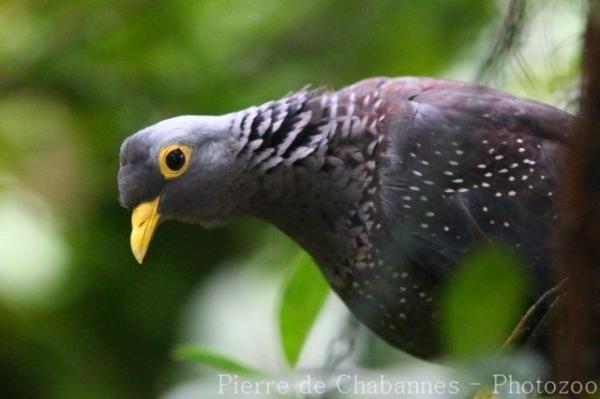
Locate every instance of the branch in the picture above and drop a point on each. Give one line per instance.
(577, 343)
(507, 41)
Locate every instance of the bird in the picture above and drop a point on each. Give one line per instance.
(387, 183)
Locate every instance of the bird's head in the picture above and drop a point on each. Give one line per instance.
(182, 168)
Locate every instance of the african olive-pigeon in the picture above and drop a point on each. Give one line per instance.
(386, 183)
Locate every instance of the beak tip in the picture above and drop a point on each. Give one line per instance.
(139, 251)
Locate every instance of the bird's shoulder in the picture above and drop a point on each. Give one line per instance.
(455, 103)
(465, 163)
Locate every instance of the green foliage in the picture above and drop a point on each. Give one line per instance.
(483, 302)
(302, 298)
(77, 77)
(213, 359)
(303, 294)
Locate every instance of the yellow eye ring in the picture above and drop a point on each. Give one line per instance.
(174, 160)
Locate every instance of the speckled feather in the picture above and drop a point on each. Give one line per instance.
(388, 182)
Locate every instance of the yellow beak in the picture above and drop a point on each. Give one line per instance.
(143, 223)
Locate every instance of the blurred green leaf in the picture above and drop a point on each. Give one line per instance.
(483, 302)
(212, 359)
(303, 297)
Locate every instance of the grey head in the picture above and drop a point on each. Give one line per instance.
(182, 168)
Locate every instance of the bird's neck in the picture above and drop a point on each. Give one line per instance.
(316, 176)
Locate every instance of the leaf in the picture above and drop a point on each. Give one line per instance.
(483, 302)
(215, 360)
(303, 296)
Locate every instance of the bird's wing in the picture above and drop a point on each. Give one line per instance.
(465, 164)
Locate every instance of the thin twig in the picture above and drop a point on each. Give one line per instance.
(507, 40)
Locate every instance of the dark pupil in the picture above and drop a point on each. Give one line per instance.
(175, 159)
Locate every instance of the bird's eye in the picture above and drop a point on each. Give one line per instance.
(174, 160)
